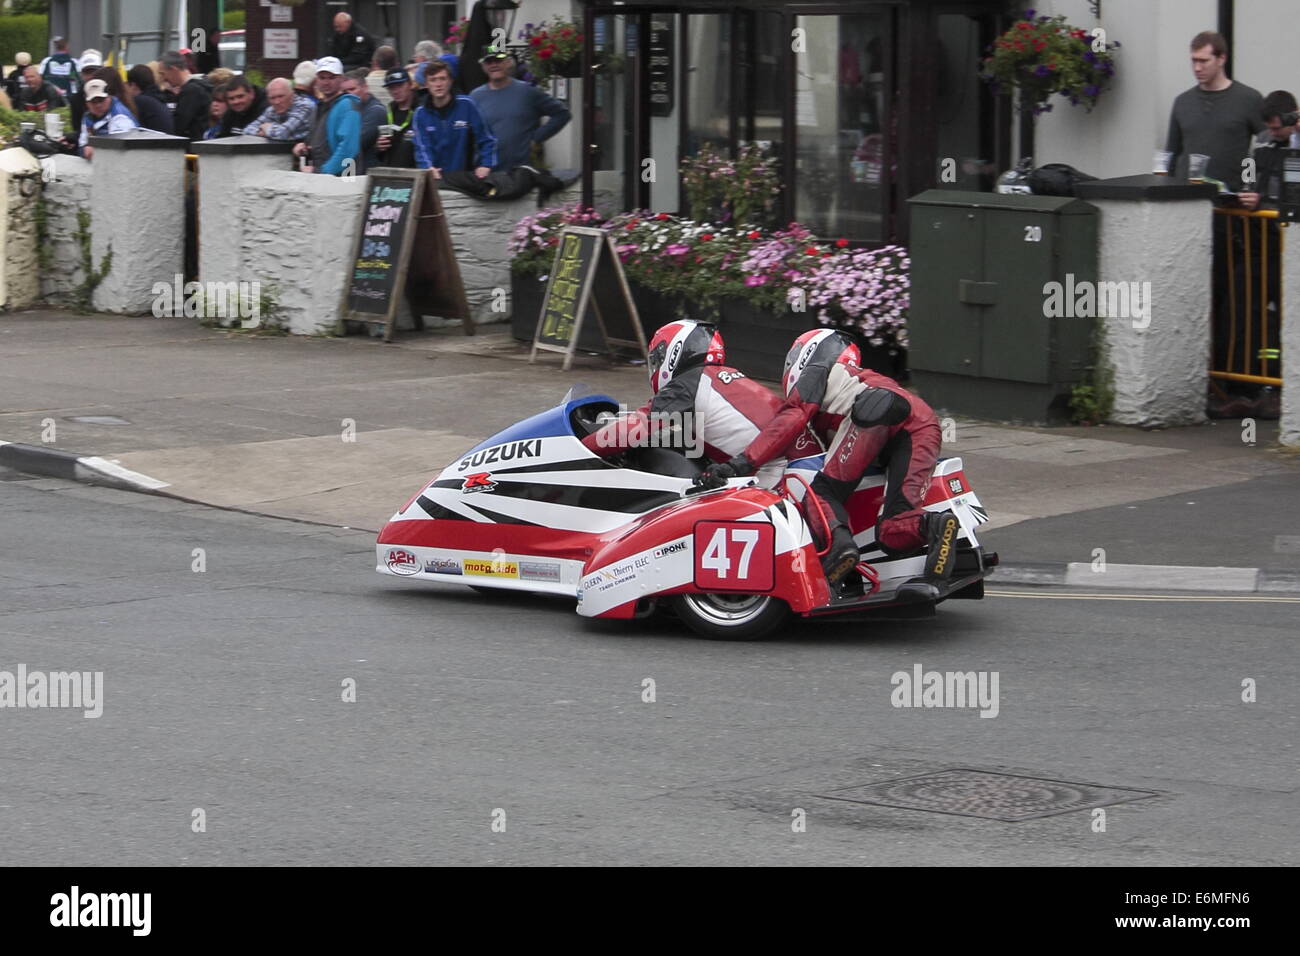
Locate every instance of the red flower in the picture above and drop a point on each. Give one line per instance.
(535, 41)
(545, 54)
(752, 235)
(812, 251)
(662, 216)
(841, 243)
(566, 32)
(630, 226)
(826, 253)
(705, 238)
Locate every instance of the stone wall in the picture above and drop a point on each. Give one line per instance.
(1290, 424)
(20, 187)
(66, 192)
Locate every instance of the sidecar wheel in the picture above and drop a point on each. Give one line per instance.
(731, 617)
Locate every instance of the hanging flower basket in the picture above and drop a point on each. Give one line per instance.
(1046, 57)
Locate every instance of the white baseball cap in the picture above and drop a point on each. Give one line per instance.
(95, 90)
(91, 58)
(329, 64)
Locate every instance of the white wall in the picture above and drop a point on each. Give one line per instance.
(1152, 66)
(1266, 45)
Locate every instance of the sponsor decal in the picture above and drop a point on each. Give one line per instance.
(442, 566)
(807, 355)
(672, 357)
(945, 547)
(726, 378)
(491, 569)
(511, 451)
(539, 571)
(402, 562)
(677, 547)
(480, 481)
(954, 485)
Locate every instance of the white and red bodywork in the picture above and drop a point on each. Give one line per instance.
(531, 509)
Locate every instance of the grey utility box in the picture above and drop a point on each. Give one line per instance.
(982, 342)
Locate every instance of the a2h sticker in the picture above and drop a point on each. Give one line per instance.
(735, 556)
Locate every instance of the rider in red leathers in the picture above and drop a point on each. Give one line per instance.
(862, 416)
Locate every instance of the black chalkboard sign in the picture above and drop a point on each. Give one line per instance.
(587, 275)
(402, 249)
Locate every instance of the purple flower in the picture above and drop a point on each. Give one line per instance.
(1041, 70)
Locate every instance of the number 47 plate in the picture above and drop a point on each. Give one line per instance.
(735, 556)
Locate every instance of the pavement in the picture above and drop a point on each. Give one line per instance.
(341, 432)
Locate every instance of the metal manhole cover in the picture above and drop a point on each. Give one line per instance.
(97, 420)
(992, 796)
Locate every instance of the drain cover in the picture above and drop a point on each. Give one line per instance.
(97, 420)
(993, 796)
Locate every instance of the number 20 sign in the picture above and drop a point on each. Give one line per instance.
(735, 556)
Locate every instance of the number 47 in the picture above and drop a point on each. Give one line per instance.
(715, 554)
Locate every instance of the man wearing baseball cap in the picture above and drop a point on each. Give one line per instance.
(514, 111)
(334, 146)
(396, 146)
(104, 116)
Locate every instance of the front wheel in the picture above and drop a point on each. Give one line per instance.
(731, 617)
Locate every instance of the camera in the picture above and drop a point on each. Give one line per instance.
(1288, 119)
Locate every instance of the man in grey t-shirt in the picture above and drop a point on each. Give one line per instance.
(1218, 117)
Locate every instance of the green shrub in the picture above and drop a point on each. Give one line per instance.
(29, 32)
(232, 20)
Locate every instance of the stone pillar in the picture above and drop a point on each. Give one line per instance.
(67, 192)
(1156, 232)
(225, 166)
(137, 208)
(1290, 424)
(20, 191)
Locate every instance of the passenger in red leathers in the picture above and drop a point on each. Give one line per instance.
(722, 410)
(862, 416)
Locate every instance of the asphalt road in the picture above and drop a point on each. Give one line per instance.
(222, 692)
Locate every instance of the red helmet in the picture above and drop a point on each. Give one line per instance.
(682, 345)
(826, 346)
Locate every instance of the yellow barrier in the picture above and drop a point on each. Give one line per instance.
(1257, 363)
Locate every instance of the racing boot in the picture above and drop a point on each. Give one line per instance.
(842, 556)
(940, 530)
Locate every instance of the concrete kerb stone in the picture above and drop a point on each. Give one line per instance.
(53, 463)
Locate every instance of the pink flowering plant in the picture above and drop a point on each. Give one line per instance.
(862, 290)
(738, 192)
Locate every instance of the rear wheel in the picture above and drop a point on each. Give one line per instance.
(731, 617)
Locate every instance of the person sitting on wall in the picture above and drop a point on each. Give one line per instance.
(150, 110)
(37, 95)
(450, 129)
(287, 117)
(105, 116)
(396, 145)
(373, 116)
(193, 95)
(334, 145)
(514, 111)
(244, 103)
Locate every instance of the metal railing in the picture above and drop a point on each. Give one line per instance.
(1247, 333)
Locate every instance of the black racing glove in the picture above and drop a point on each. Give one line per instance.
(715, 476)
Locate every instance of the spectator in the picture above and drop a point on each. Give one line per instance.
(60, 68)
(515, 110)
(37, 95)
(373, 115)
(216, 113)
(90, 62)
(117, 89)
(1268, 155)
(287, 117)
(1217, 117)
(397, 147)
(351, 45)
(150, 110)
(385, 62)
(445, 125)
(427, 51)
(334, 145)
(193, 96)
(105, 116)
(220, 76)
(304, 80)
(14, 81)
(244, 103)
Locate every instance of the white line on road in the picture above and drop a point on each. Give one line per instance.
(1076, 596)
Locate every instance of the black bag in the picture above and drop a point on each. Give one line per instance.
(1056, 179)
(38, 144)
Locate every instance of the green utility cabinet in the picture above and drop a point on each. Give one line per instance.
(981, 342)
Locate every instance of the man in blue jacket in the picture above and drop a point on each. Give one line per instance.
(450, 132)
(334, 145)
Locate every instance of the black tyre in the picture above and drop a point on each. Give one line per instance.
(731, 617)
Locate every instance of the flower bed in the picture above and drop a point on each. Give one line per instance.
(730, 275)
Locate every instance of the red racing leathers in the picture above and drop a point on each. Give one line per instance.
(862, 416)
(719, 411)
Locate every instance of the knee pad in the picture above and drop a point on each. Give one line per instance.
(880, 406)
